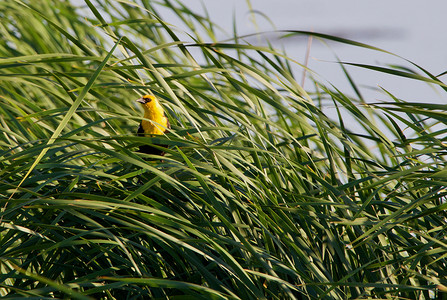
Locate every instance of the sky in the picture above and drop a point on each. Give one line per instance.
(413, 30)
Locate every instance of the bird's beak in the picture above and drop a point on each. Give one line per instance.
(141, 100)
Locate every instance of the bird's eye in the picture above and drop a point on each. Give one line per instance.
(147, 98)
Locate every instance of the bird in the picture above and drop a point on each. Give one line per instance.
(158, 124)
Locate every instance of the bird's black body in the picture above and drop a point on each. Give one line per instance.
(148, 149)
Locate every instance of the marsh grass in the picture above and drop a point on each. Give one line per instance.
(260, 195)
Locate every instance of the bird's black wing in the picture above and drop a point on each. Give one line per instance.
(147, 148)
(140, 131)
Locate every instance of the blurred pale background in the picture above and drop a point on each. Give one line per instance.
(414, 30)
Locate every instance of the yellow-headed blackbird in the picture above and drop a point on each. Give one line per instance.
(158, 124)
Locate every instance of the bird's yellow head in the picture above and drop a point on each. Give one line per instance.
(146, 100)
(151, 105)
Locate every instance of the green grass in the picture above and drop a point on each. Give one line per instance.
(261, 194)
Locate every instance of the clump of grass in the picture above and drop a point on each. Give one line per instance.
(261, 195)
